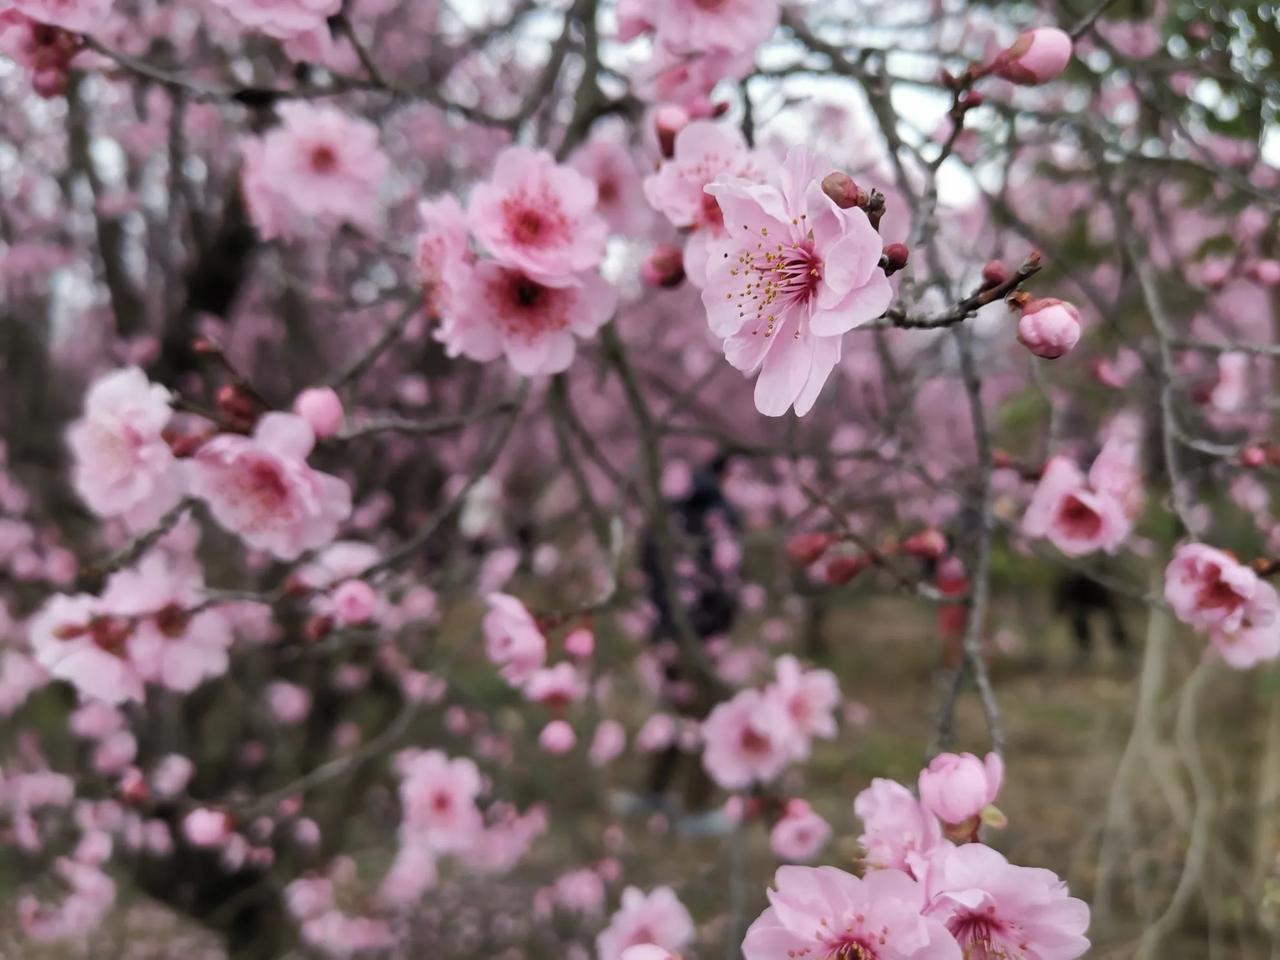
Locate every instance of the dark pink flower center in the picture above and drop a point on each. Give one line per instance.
(526, 308)
(263, 490)
(324, 159)
(441, 802)
(1217, 594)
(775, 277)
(754, 742)
(534, 221)
(983, 936)
(708, 4)
(1079, 519)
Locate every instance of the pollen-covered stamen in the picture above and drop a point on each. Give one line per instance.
(775, 278)
(983, 936)
(527, 308)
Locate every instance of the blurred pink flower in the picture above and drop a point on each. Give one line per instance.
(799, 834)
(122, 464)
(747, 739)
(1074, 517)
(78, 16)
(793, 274)
(1213, 592)
(261, 489)
(438, 800)
(810, 698)
(735, 26)
(609, 165)
(76, 640)
(319, 169)
(282, 19)
(321, 408)
(512, 639)
(657, 918)
(897, 831)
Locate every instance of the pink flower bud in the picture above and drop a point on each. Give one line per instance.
(557, 737)
(580, 643)
(1037, 56)
(322, 410)
(663, 267)
(896, 256)
(668, 120)
(844, 193)
(206, 828)
(1266, 272)
(1049, 328)
(994, 274)
(354, 601)
(805, 548)
(956, 787)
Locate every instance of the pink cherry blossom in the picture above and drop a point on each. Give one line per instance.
(702, 151)
(287, 702)
(353, 602)
(123, 466)
(810, 698)
(261, 489)
(957, 787)
(438, 800)
(444, 259)
(557, 737)
(1213, 592)
(555, 687)
(75, 639)
(607, 744)
(609, 165)
(282, 19)
(996, 909)
(793, 274)
(897, 830)
(512, 639)
(657, 918)
(78, 16)
(733, 25)
(825, 912)
(534, 324)
(319, 169)
(538, 217)
(1074, 517)
(747, 739)
(204, 827)
(799, 834)
(167, 645)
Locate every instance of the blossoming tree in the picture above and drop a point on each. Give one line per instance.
(450, 449)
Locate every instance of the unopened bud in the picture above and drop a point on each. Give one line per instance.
(318, 627)
(805, 548)
(1049, 328)
(1253, 456)
(895, 257)
(993, 274)
(1036, 57)
(844, 567)
(842, 190)
(927, 544)
(663, 267)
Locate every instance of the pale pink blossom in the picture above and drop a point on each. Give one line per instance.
(825, 912)
(171, 775)
(536, 325)
(204, 827)
(608, 742)
(957, 787)
(353, 602)
(581, 891)
(799, 834)
(810, 698)
(513, 641)
(438, 800)
(1073, 516)
(657, 918)
(167, 645)
(122, 464)
(283, 19)
(321, 408)
(792, 275)
(995, 909)
(287, 702)
(747, 739)
(538, 217)
(609, 165)
(90, 895)
(897, 831)
(557, 737)
(444, 259)
(261, 488)
(736, 26)
(78, 16)
(702, 151)
(1215, 593)
(319, 169)
(412, 873)
(555, 687)
(76, 640)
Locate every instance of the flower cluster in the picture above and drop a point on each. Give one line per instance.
(1215, 593)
